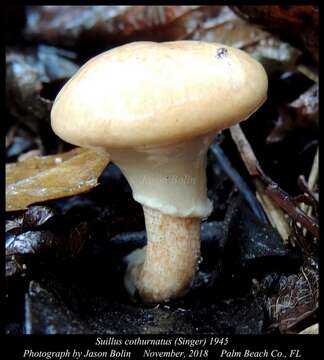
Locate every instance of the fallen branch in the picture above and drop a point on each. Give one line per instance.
(266, 186)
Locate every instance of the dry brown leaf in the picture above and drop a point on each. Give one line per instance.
(228, 29)
(100, 27)
(298, 24)
(51, 177)
(301, 113)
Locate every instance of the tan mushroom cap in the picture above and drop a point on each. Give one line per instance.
(147, 93)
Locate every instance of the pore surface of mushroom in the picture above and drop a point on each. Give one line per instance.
(155, 108)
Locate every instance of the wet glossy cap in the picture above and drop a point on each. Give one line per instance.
(147, 93)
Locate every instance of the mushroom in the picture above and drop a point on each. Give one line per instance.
(155, 108)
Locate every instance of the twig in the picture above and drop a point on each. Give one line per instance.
(308, 72)
(312, 180)
(305, 199)
(300, 239)
(274, 213)
(313, 177)
(286, 203)
(280, 200)
(312, 197)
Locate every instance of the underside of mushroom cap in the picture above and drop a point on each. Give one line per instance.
(147, 93)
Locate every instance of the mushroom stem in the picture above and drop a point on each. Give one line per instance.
(170, 183)
(168, 262)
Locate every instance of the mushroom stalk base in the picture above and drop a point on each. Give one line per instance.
(165, 268)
